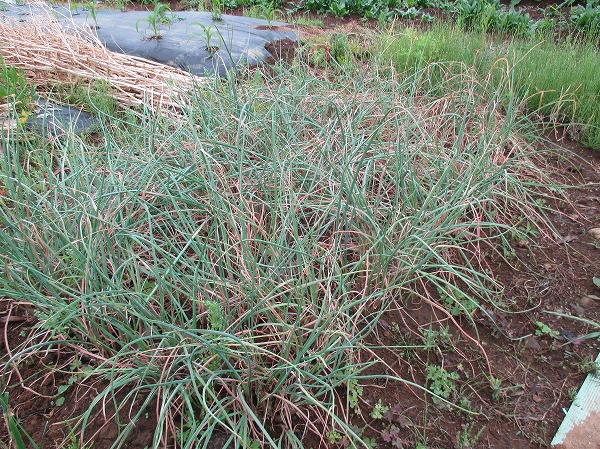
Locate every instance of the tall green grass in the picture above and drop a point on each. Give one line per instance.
(559, 76)
(225, 269)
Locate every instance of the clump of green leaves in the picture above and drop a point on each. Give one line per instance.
(355, 391)
(586, 18)
(441, 382)
(544, 330)
(370, 9)
(379, 410)
(456, 301)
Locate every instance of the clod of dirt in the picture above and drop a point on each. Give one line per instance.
(595, 232)
(532, 343)
(522, 244)
(587, 300)
(284, 49)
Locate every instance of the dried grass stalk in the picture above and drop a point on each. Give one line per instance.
(52, 54)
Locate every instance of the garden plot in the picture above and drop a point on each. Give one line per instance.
(191, 41)
(329, 254)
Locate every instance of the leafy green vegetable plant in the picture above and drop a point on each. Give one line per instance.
(587, 18)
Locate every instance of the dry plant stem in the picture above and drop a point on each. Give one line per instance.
(15, 368)
(51, 55)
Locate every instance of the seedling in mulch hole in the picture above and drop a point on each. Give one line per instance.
(466, 438)
(207, 37)
(92, 12)
(217, 7)
(156, 19)
(269, 12)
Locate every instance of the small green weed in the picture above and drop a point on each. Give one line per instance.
(379, 410)
(355, 391)
(456, 302)
(544, 330)
(588, 366)
(441, 337)
(468, 436)
(441, 382)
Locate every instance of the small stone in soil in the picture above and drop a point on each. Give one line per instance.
(585, 301)
(532, 343)
(595, 232)
(579, 310)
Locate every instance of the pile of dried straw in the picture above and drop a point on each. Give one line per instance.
(51, 54)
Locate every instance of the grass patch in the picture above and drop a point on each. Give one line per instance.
(227, 269)
(559, 79)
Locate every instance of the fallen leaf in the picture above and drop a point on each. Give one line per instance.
(537, 398)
